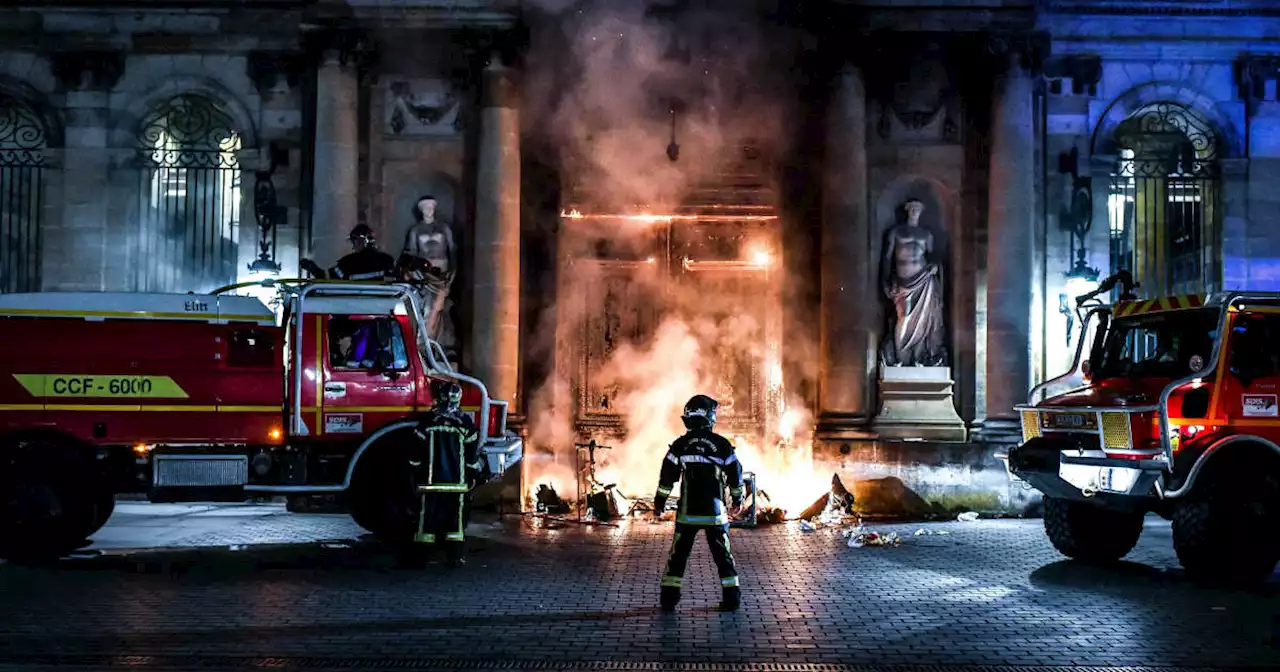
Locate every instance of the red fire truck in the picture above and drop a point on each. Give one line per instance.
(1173, 411)
(213, 397)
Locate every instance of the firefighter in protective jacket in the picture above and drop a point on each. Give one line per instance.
(446, 466)
(705, 465)
(366, 262)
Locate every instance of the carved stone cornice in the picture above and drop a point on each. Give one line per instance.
(88, 70)
(1029, 50)
(271, 69)
(476, 48)
(1084, 71)
(1253, 71)
(349, 45)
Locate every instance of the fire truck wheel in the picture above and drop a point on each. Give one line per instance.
(1090, 533)
(104, 506)
(44, 518)
(1223, 532)
(382, 499)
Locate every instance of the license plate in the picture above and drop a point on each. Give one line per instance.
(1069, 421)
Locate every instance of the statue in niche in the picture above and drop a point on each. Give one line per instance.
(430, 258)
(912, 281)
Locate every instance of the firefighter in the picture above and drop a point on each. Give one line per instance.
(366, 261)
(446, 466)
(705, 464)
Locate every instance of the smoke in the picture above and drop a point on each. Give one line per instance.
(604, 76)
(602, 79)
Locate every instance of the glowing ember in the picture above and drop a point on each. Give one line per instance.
(667, 218)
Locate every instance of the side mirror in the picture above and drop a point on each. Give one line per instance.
(1086, 368)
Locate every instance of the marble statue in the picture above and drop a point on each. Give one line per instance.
(430, 257)
(912, 281)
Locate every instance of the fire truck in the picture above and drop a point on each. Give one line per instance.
(1173, 410)
(218, 397)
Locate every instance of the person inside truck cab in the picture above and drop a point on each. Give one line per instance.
(355, 343)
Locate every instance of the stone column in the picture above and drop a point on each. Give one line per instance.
(78, 250)
(1010, 236)
(848, 315)
(496, 293)
(335, 205)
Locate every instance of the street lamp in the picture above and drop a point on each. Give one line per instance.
(1076, 218)
(269, 213)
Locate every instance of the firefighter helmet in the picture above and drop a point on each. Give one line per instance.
(446, 395)
(700, 412)
(362, 232)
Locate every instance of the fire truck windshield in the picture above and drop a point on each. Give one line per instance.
(1159, 345)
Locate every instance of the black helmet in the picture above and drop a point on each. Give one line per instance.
(700, 412)
(362, 232)
(446, 395)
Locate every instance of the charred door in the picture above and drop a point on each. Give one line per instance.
(641, 284)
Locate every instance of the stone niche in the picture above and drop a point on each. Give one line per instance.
(916, 387)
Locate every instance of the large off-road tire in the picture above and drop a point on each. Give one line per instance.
(1090, 533)
(1225, 531)
(382, 498)
(48, 502)
(104, 505)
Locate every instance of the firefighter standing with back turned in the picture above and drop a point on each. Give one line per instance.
(445, 466)
(705, 464)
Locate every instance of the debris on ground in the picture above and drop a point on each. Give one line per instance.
(923, 532)
(549, 501)
(968, 517)
(836, 502)
(771, 515)
(860, 536)
(890, 496)
(806, 526)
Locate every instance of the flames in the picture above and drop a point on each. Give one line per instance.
(666, 218)
(689, 353)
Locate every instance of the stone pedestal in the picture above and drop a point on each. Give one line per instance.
(918, 402)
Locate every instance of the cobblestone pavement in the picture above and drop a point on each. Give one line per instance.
(992, 592)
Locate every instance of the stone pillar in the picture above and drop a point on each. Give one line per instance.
(1010, 225)
(335, 205)
(78, 250)
(848, 315)
(496, 293)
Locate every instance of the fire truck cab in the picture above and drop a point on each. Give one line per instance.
(215, 397)
(1173, 410)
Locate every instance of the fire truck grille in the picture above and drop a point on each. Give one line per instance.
(181, 471)
(1115, 431)
(1030, 425)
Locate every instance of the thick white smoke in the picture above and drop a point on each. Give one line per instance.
(601, 81)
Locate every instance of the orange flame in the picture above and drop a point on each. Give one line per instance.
(665, 218)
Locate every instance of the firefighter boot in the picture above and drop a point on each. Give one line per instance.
(670, 597)
(731, 599)
(455, 553)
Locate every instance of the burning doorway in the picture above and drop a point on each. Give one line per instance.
(656, 306)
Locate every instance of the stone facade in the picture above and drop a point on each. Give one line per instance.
(995, 115)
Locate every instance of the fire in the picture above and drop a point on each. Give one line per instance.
(665, 218)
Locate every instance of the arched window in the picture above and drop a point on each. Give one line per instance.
(23, 139)
(1164, 201)
(188, 236)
